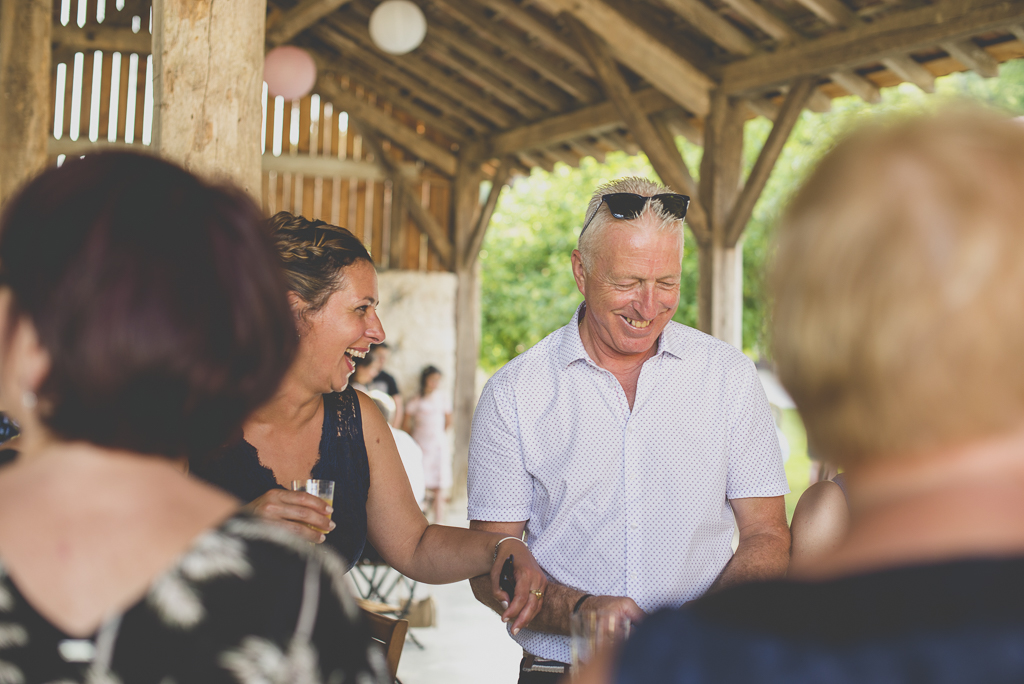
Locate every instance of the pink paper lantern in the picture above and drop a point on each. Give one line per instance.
(289, 71)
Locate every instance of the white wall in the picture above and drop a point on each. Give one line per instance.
(418, 312)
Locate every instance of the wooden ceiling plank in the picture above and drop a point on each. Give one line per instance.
(483, 81)
(763, 19)
(106, 38)
(586, 121)
(856, 84)
(561, 154)
(893, 35)
(548, 96)
(430, 226)
(299, 18)
(551, 40)
(662, 153)
(621, 142)
(713, 25)
(471, 15)
(679, 125)
(968, 53)
(908, 68)
(436, 78)
(382, 122)
(789, 113)
(385, 70)
(649, 58)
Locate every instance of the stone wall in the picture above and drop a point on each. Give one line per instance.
(418, 312)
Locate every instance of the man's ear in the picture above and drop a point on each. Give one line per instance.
(578, 273)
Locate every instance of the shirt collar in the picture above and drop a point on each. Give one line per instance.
(571, 349)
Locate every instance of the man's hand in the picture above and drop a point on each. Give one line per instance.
(621, 605)
(295, 511)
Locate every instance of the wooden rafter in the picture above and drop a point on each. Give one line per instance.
(787, 118)
(892, 35)
(651, 59)
(587, 121)
(296, 20)
(855, 84)
(713, 25)
(909, 69)
(760, 17)
(426, 222)
(665, 158)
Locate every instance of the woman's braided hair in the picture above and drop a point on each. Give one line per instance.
(314, 255)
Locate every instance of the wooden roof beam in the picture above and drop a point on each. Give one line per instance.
(789, 113)
(657, 144)
(584, 148)
(476, 237)
(484, 81)
(380, 121)
(968, 53)
(763, 19)
(621, 142)
(382, 70)
(893, 35)
(474, 17)
(357, 38)
(298, 19)
(649, 58)
(533, 161)
(832, 12)
(586, 121)
(908, 68)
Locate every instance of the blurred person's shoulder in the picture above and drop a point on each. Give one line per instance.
(954, 621)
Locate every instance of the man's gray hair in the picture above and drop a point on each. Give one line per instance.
(600, 218)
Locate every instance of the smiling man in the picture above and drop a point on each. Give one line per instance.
(628, 447)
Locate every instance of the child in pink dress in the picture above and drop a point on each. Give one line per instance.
(427, 418)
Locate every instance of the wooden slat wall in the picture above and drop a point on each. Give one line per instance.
(362, 206)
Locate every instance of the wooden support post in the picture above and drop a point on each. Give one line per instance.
(465, 212)
(399, 215)
(208, 87)
(25, 116)
(720, 294)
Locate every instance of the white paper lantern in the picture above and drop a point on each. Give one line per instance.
(397, 26)
(290, 72)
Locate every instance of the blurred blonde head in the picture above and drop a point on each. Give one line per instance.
(898, 322)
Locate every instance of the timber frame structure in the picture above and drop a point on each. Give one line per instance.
(499, 87)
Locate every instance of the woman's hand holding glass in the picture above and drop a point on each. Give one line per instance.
(531, 583)
(297, 511)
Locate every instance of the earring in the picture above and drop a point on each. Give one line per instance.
(28, 399)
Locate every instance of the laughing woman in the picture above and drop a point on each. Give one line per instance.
(318, 426)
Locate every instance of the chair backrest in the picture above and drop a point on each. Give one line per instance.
(391, 633)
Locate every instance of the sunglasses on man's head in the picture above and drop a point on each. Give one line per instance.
(628, 205)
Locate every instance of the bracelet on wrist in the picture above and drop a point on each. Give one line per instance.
(494, 558)
(579, 604)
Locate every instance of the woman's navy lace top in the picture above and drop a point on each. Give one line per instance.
(342, 459)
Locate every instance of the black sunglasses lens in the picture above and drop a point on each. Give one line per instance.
(625, 205)
(674, 204)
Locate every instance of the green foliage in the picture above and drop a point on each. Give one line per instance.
(528, 289)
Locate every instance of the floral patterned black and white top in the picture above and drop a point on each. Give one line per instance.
(247, 603)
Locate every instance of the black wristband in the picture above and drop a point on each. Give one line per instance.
(579, 604)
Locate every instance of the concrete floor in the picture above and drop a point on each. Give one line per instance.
(469, 645)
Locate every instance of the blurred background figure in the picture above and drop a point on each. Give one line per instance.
(143, 316)
(366, 368)
(898, 329)
(428, 417)
(408, 449)
(384, 382)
